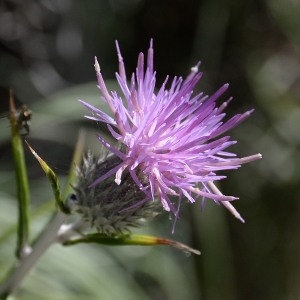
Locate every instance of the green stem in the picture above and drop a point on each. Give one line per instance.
(22, 184)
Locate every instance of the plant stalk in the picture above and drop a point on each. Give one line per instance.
(25, 264)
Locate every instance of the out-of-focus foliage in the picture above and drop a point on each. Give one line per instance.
(47, 50)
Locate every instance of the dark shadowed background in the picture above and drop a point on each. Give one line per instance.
(47, 51)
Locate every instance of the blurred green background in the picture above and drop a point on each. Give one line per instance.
(47, 51)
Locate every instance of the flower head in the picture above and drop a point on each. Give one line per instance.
(172, 142)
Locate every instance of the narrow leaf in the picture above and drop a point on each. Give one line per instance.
(132, 239)
(53, 180)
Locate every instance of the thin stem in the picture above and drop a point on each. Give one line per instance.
(22, 183)
(18, 273)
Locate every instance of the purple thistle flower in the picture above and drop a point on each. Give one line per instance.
(172, 141)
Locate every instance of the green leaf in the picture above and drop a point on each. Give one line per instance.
(53, 180)
(130, 239)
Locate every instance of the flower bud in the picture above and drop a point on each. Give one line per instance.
(109, 207)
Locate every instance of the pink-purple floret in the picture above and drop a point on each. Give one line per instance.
(171, 137)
